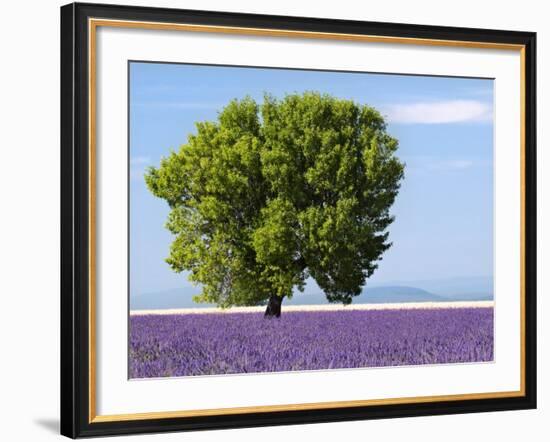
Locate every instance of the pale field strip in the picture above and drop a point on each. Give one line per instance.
(322, 308)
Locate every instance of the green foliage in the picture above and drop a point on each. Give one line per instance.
(272, 193)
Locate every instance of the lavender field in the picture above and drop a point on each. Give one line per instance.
(214, 343)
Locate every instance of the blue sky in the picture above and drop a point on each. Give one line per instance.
(444, 211)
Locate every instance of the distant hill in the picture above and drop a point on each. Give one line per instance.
(385, 294)
(372, 295)
(181, 298)
(460, 288)
(176, 298)
(451, 289)
(471, 288)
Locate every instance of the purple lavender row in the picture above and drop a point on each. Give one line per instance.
(208, 344)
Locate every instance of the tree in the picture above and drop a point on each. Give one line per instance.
(270, 194)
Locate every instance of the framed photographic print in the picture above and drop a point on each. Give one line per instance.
(273, 220)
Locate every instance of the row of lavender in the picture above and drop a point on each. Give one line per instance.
(207, 344)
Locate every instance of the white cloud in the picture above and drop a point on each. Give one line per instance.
(137, 174)
(450, 165)
(431, 164)
(137, 167)
(136, 161)
(438, 112)
(199, 105)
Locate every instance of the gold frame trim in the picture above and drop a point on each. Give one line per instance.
(93, 24)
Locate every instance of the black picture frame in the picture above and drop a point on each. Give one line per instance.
(75, 221)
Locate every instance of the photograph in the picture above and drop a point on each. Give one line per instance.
(275, 220)
(284, 220)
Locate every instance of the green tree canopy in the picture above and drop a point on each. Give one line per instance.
(270, 194)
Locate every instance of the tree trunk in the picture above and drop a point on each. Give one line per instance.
(273, 307)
